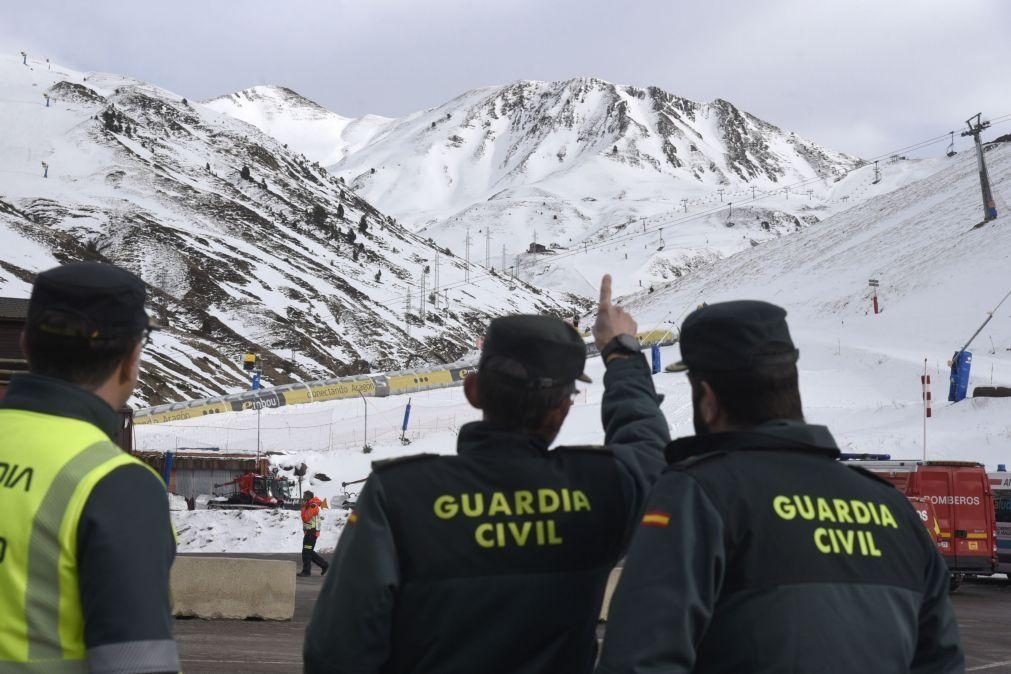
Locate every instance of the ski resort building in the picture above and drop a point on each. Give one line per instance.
(13, 313)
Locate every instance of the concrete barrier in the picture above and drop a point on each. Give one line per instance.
(233, 588)
(612, 582)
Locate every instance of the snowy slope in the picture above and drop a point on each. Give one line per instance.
(140, 177)
(303, 125)
(859, 372)
(565, 163)
(573, 164)
(939, 280)
(556, 134)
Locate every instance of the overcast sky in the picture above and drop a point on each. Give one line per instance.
(861, 76)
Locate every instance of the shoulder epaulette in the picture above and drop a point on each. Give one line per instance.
(401, 460)
(874, 476)
(600, 450)
(694, 460)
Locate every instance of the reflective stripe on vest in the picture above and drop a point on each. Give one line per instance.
(49, 466)
(42, 594)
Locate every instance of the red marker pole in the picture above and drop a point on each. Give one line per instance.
(875, 300)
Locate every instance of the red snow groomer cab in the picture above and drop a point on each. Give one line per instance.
(961, 497)
(251, 491)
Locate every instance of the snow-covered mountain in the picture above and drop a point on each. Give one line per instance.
(859, 371)
(302, 125)
(244, 244)
(579, 166)
(575, 139)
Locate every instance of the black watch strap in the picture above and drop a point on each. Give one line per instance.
(622, 344)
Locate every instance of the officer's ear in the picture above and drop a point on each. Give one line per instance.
(709, 408)
(129, 370)
(23, 341)
(470, 389)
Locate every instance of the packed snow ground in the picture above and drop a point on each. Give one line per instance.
(859, 372)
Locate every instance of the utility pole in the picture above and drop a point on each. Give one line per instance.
(466, 269)
(753, 189)
(877, 174)
(787, 189)
(421, 297)
(436, 286)
(487, 248)
(809, 194)
(720, 192)
(407, 308)
(365, 445)
(684, 204)
(989, 207)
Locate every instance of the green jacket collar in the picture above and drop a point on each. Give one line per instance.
(48, 395)
(485, 438)
(778, 434)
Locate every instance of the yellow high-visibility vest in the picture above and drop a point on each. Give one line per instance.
(48, 467)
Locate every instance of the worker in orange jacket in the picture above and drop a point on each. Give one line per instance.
(310, 532)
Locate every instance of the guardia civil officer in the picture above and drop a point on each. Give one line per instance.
(758, 550)
(494, 560)
(85, 538)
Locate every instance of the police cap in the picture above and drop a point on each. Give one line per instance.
(735, 336)
(535, 351)
(88, 300)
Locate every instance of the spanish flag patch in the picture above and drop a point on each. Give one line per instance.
(655, 518)
(352, 518)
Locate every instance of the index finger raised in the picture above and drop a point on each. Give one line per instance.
(605, 291)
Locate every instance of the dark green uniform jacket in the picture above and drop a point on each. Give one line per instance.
(493, 560)
(760, 552)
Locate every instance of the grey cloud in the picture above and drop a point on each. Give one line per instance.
(860, 76)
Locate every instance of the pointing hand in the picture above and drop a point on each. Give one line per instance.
(611, 320)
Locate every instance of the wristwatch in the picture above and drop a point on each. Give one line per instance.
(624, 344)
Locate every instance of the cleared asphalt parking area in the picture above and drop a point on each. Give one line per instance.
(211, 646)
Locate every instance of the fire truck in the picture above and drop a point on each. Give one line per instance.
(1000, 483)
(963, 502)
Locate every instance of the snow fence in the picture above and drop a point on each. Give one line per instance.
(369, 386)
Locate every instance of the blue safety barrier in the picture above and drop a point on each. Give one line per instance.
(407, 416)
(168, 467)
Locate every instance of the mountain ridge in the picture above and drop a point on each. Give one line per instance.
(244, 244)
